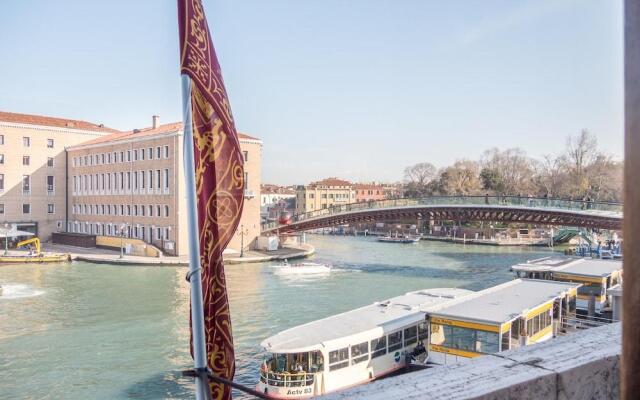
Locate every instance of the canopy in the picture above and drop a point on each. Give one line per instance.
(12, 233)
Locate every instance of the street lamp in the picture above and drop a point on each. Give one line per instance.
(242, 232)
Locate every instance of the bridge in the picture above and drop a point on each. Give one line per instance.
(506, 209)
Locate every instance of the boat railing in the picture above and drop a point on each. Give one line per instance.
(585, 322)
(286, 379)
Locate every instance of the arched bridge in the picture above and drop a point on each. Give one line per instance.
(507, 209)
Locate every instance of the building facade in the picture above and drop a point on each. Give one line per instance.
(275, 200)
(324, 194)
(132, 184)
(33, 169)
(369, 192)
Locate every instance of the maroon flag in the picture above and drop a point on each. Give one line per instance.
(219, 176)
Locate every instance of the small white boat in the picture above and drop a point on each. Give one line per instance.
(301, 268)
(401, 239)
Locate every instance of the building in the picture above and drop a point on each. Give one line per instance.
(369, 192)
(33, 169)
(275, 199)
(324, 194)
(132, 184)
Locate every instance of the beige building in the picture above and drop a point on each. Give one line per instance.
(324, 194)
(132, 183)
(33, 169)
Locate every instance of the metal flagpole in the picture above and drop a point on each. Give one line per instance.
(194, 276)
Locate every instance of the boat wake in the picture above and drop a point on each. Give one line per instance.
(18, 291)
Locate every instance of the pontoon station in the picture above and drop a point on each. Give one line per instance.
(351, 348)
(500, 318)
(596, 276)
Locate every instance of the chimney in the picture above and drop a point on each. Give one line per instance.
(156, 121)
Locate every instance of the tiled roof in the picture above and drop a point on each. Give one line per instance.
(53, 122)
(367, 186)
(330, 182)
(166, 128)
(275, 189)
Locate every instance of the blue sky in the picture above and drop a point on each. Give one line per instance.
(357, 89)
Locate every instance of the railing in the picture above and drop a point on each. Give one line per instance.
(585, 322)
(286, 379)
(510, 201)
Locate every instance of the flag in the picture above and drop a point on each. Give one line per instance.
(219, 176)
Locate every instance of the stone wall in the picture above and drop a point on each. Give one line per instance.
(582, 365)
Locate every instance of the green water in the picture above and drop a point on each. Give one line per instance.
(94, 331)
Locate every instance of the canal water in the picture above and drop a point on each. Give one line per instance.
(80, 330)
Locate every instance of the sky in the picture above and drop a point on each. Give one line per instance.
(355, 89)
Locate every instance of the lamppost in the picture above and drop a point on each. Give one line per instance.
(6, 239)
(122, 227)
(242, 232)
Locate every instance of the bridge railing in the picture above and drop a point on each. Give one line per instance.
(510, 201)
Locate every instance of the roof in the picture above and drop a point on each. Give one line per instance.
(53, 122)
(503, 303)
(266, 188)
(575, 266)
(377, 316)
(330, 182)
(144, 132)
(361, 186)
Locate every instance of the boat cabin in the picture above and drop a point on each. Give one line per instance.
(503, 317)
(596, 276)
(351, 348)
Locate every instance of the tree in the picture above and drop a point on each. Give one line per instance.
(462, 178)
(509, 172)
(417, 178)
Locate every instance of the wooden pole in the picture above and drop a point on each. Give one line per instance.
(630, 371)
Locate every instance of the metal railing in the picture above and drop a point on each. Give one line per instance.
(597, 207)
(285, 379)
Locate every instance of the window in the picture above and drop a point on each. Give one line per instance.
(395, 341)
(410, 335)
(135, 209)
(121, 209)
(50, 143)
(142, 178)
(379, 347)
(142, 210)
(128, 155)
(158, 180)
(1, 181)
(166, 151)
(121, 180)
(50, 208)
(102, 158)
(135, 155)
(142, 159)
(50, 185)
(158, 154)
(245, 155)
(150, 210)
(359, 353)
(26, 160)
(456, 337)
(128, 180)
(150, 179)
(150, 153)
(109, 158)
(49, 161)
(538, 323)
(26, 208)
(26, 141)
(590, 288)
(128, 209)
(166, 211)
(338, 359)
(26, 183)
(506, 341)
(122, 156)
(1, 208)
(158, 213)
(1, 139)
(423, 330)
(166, 179)
(1, 158)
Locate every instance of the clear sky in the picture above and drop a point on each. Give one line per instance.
(357, 89)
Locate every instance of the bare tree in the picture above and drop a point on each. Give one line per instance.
(418, 177)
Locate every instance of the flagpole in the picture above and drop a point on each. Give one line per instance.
(197, 314)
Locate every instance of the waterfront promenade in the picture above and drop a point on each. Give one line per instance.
(105, 256)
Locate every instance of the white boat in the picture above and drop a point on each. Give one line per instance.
(301, 268)
(351, 348)
(399, 239)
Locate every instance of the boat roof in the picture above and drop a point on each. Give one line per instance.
(358, 325)
(505, 302)
(574, 266)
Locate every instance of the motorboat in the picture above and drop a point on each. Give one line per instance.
(399, 239)
(305, 268)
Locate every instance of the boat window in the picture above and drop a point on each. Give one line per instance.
(379, 347)
(506, 341)
(588, 289)
(572, 304)
(538, 323)
(410, 335)
(423, 330)
(395, 341)
(515, 328)
(338, 359)
(359, 353)
(456, 337)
